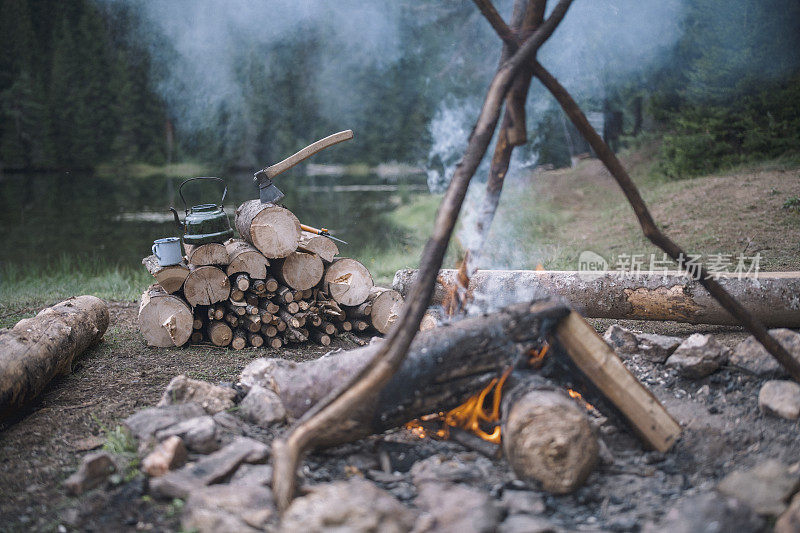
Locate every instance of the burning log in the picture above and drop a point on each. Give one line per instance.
(444, 368)
(206, 254)
(164, 320)
(324, 247)
(547, 437)
(275, 231)
(37, 349)
(347, 281)
(171, 278)
(648, 296)
(300, 270)
(206, 285)
(244, 257)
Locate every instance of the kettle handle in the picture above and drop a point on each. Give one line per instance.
(224, 192)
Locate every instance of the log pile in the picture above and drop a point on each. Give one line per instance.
(278, 285)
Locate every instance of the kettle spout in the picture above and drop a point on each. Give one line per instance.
(177, 219)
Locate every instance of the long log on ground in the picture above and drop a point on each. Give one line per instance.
(771, 296)
(444, 367)
(244, 257)
(206, 285)
(347, 281)
(547, 437)
(171, 277)
(300, 270)
(37, 349)
(275, 231)
(164, 319)
(206, 254)
(324, 247)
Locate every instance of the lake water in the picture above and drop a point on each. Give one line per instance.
(47, 216)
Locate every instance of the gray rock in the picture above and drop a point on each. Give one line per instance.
(765, 488)
(523, 502)
(262, 407)
(94, 470)
(780, 398)
(144, 424)
(210, 469)
(657, 348)
(253, 475)
(168, 455)
(525, 523)
(707, 513)
(354, 506)
(789, 521)
(228, 508)
(212, 398)
(698, 356)
(198, 434)
(440, 468)
(456, 508)
(751, 356)
(622, 340)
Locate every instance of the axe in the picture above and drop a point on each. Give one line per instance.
(268, 192)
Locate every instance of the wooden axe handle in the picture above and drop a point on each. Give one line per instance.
(307, 152)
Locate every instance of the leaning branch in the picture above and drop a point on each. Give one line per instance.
(651, 231)
(335, 409)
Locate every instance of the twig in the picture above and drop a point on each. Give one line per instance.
(334, 409)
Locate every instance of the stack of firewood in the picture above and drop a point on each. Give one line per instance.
(279, 285)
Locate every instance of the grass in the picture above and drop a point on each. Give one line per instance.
(145, 170)
(26, 288)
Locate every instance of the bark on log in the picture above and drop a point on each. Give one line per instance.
(37, 349)
(275, 231)
(324, 247)
(444, 367)
(171, 278)
(206, 285)
(244, 257)
(386, 307)
(547, 437)
(164, 320)
(300, 270)
(771, 296)
(206, 254)
(347, 281)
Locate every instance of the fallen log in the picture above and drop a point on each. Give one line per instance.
(275, 231)
(771, 296)
(37, 349)
(324, 247)
(347, 281)
(171, 277)
(547, 436)
(299, 271)
(206, 285)
(444, 368)
(244, 257)
(206, 254)
(164, 320)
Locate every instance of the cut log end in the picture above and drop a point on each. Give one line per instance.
(275, 231)
(348, 281)
(164, 320)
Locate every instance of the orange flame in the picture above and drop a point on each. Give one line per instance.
(577, 395)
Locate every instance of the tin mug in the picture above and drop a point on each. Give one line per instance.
(167, 251)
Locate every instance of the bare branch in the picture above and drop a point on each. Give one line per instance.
(651, 231)
(334, 409)
(500, 27)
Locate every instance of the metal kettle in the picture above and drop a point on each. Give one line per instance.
(204, 223)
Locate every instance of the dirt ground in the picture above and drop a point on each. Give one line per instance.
(731, 213)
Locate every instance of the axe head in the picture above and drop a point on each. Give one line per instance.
(267, 191)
